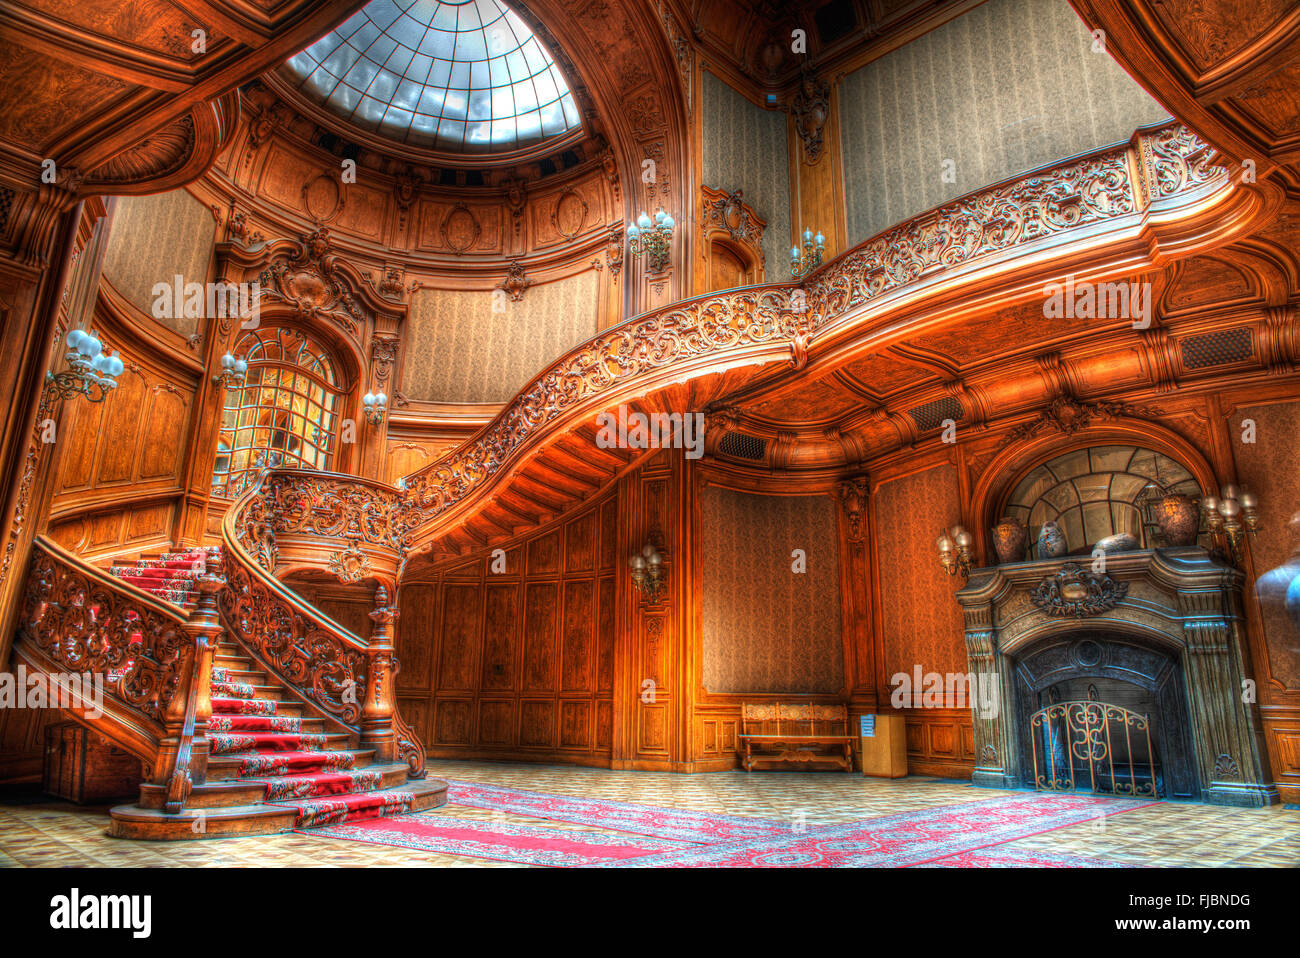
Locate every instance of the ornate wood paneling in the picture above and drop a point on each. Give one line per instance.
(521, 646)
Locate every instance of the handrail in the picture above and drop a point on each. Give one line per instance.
(79, 617)
(1114, 185)
(82, 618)
(304, 647)
(348, 678)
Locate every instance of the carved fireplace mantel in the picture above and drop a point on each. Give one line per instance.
(1178, 601)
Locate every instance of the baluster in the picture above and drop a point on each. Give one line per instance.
(183, 757)
(377, 711)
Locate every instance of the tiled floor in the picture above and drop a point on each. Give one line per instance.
(52, 833)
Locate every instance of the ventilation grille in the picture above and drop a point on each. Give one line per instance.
(742, 446)
(6, 204)
(1217, 349)
(932, 414)
(836, 19)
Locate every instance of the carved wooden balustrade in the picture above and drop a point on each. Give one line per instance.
(151, 660)
(1152, 194)
(347, 678)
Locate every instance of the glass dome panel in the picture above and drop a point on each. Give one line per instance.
(459, 75)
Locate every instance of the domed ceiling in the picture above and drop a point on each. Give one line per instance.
(465, 76)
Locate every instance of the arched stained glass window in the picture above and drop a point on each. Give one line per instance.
(1097, 492)
(284, 415)
(467, 76)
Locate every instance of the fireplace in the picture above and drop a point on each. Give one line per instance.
(1103, 712)
(1154, 644)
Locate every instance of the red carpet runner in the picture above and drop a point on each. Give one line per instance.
(949, 836)
(251, 736)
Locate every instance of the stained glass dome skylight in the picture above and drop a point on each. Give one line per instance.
(467, 76)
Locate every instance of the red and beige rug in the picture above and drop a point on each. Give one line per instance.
(947, 836)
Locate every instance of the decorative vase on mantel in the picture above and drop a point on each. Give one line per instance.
(1179, 518)
(1010, 536)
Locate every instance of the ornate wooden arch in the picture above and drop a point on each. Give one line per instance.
(1105, 424)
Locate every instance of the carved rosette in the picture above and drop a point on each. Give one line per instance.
(350, 565)
(1078, 593)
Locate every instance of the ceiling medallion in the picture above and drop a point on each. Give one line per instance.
(351, 564)
(1078, 593)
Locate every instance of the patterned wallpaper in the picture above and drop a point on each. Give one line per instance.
(155, 238)
(745, 148)
(1009, 86)
(459, 350)
(923, 623)
(1267, 468)
(767, 628)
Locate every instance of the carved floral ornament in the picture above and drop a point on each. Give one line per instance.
(308, 279)
(351, 564)
(515, 282)
(811, 108)
(1067, 416)
(730, 213)
(1078, 593)
(853, 495)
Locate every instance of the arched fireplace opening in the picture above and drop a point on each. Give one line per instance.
(1105, 712)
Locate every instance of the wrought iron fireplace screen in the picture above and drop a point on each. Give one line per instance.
(1094, 745)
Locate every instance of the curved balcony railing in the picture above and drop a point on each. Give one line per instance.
(1164, 171)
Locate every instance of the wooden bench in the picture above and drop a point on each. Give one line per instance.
(774, 734)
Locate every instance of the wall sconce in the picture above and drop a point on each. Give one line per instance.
(92, 373)
(648, 572)
(1232, 513)
(376, 404)
(954, 551)
(654, 239)
(813, 246)
(232, 375)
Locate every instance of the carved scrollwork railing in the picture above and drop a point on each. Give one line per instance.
(85, 621)
(322, 661)
(347, 677)
(152, 658)
(1111, 188)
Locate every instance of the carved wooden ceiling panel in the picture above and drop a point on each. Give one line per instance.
(1228, 68)
(87, 81)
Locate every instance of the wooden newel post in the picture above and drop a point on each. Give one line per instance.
(377, 711)
(183, 758)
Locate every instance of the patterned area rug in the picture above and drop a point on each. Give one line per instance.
(669, 823)
(996, 858)
(947, 836)
(522, 844)
(901, 841)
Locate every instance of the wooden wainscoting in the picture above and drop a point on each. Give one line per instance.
(517, 664)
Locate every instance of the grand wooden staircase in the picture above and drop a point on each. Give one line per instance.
(253, 711)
